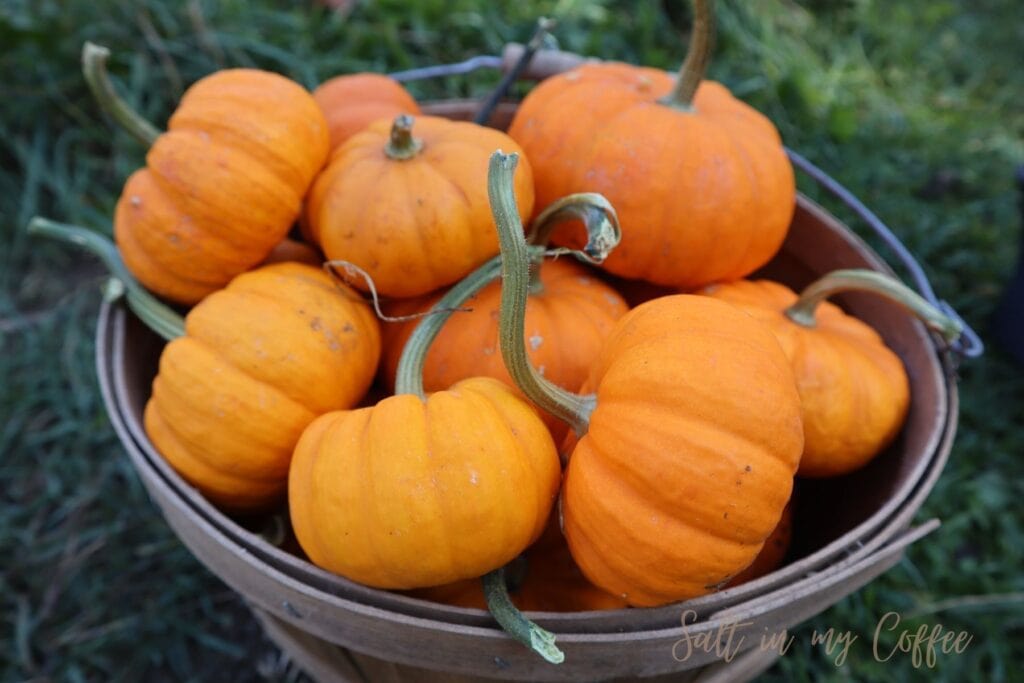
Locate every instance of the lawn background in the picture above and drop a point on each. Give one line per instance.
(916, 106)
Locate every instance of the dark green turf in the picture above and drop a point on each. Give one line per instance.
(916, 105)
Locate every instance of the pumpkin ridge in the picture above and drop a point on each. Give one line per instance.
(439, 497)
(183, 449)
(313, 544)
(523, 454)
(668, 506)
(295, 396)
(285, 202)
(200, 446)
(617, 560)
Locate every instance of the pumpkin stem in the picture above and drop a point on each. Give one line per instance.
(514, 623)
(599, 219)
(402, 144)
(861, 280)
(691, 73)
(94, 68)
(156, 315)
(515, 282)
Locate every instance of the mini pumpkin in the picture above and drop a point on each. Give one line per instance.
(688, 429)
(408, 203)
(700, 180)
(222, 186)
(854, 390)
(352, 102)
(246, 371)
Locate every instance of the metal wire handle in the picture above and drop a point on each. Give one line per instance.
(969, 345)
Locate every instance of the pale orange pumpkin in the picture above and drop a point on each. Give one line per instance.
(353, 101)
(854, 390)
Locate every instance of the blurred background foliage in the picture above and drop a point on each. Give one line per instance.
(916, 106)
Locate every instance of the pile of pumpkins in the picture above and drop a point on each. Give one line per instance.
(586, 442)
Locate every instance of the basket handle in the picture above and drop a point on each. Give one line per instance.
(546, 63)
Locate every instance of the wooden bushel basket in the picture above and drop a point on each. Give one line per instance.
(338, 630)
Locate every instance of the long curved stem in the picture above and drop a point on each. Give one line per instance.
(802, 312)
(697, 57)
(94, 68)
(514, 623)
(515, 281)
(156, 315)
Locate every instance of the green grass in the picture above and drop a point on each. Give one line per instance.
(914, 105)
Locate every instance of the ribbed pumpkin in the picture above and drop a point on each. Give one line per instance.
(568, 315)
(854, 390)
(773, 552)
(700, 180)
(223, 185)
(690, 435)
(408, 203)
(412, 492)
(352, 102)
(260, 360)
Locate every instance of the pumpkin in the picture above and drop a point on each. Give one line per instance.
(773, 552)
(700, 180)
(408, 204)
(568, 314)
(293, 250)
(260, 360)
(547, 580)
(853, 388)
(353, 101)
(246, 371)
(222, 186)
(688, 429)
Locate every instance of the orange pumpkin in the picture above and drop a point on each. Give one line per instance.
(408, 203)
(548, 581)
(352, 102)
(690, 435)
(567, 317)
(260, 360)
(292, 250)
(773, 552)
(222, 186)
(375, 493)
(700, 180)
(854, 390)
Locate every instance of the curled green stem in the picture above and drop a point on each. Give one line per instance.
(860, 280)
(698, 54)
(599, 219)
(402, 145)
(94, 68)
(156, 315)
(515, 284)
(514, 622)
